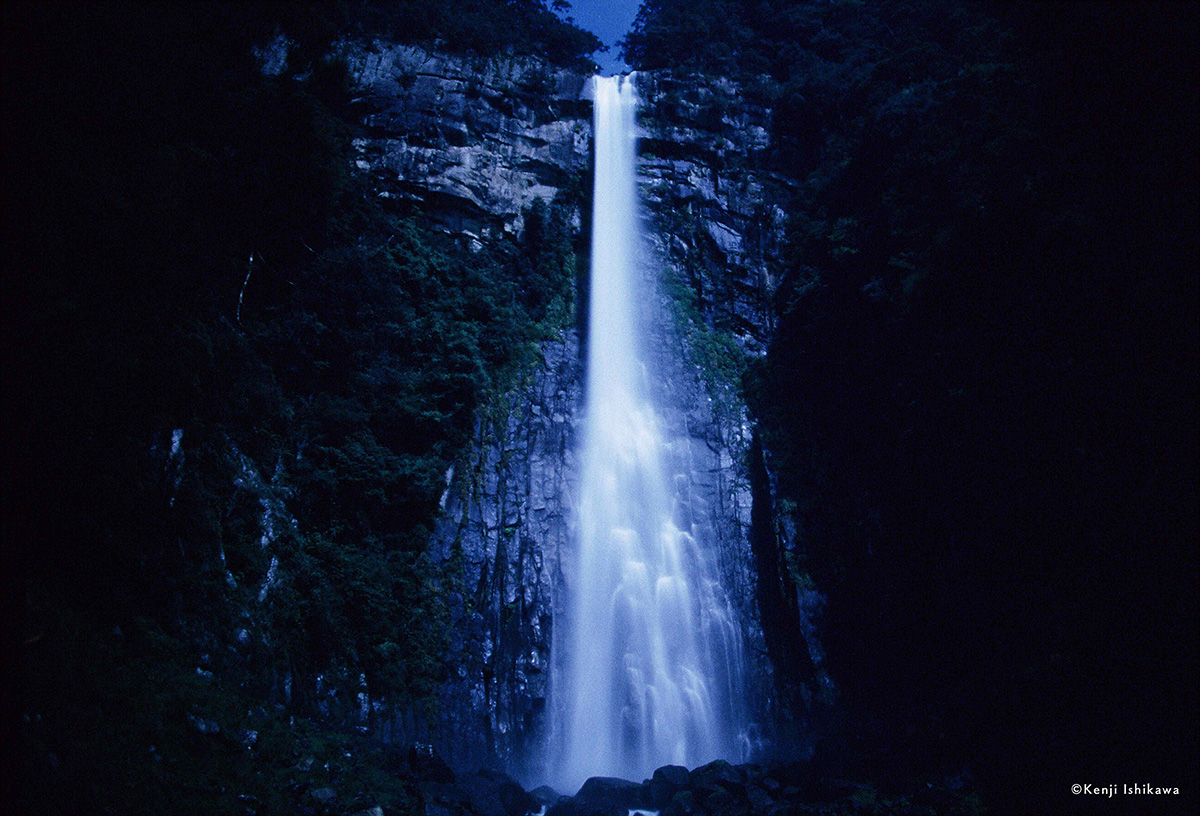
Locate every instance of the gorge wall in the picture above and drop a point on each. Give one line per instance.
(471, 141)
(718, 213)
(292, 392)
(474, 143)
(282, 475)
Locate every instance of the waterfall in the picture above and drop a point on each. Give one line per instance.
(650, 673)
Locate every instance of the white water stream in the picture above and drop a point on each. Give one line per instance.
(649, 666)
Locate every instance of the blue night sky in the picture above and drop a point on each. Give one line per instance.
(609, 20)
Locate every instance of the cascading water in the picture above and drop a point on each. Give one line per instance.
(652, 664)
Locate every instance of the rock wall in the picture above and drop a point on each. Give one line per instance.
(507, 520)
(716, 209)
(473, 143)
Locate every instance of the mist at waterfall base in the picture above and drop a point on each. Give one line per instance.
(649, 671)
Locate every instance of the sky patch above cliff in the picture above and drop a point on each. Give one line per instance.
(609, 20)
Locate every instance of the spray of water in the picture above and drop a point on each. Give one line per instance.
(648, 674)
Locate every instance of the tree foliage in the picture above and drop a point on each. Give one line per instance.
(987, 294)
(529, 27)
(234, 383)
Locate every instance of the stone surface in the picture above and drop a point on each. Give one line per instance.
(610, 792)
(666, 782)
(427, 765)
(721, 789)
(717, 774)
(716, 215)
(507, 522)
(545, 795)
(473, 142)
(718, 212)
(492, 793)
(575, 807)
(323, 794)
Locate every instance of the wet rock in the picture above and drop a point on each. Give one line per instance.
(790, 809)
(323, 795)
(718, 213)
(507, 537)
(472, 140)
(722, 789)
(666, 782)
(545, 795)
(683, 803)
(441, 809)
(718, 774)
(722, 802)
(427, 765)
(612, 793)
(492, 793)
(576, 807)
(758, 798)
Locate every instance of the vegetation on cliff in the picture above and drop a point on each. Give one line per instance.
(979, 399)
(234, 382)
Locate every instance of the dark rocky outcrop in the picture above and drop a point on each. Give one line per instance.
(721, 789)
(472, 142)
(666, 782)
(979, 307)
(505, 521)
(613, 794)
(717, 209)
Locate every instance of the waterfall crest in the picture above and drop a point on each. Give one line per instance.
(651, 670)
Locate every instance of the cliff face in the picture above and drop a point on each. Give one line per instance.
(473, 144)
(717, 217)
(717, 212)
(240, 374)
(506, 523)
(961, 440)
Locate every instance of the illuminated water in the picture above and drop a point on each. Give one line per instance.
(650, 652)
